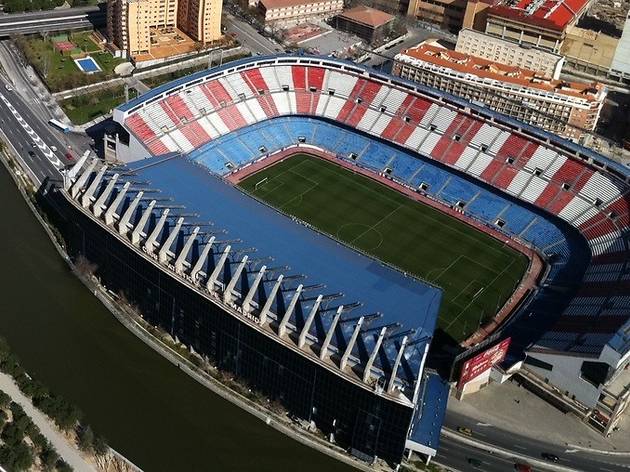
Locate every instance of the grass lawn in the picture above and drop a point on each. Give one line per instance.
(476, 272)
(84, 108)
(60, 72)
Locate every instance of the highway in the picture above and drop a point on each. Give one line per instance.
(27, 133)
(51, 20)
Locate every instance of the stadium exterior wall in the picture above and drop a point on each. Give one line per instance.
(359, 419)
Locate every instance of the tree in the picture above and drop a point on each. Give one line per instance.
(4, 399)
(100, 445)
(86, 438)
(49, 458)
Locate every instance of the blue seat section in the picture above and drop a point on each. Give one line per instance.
(404, 166)
(487, 206)
(326, 136)
(435, 177)
(459, 190)
(542, 234)
(375, 157)
(517, 218)
(301, 128)
(351, 142)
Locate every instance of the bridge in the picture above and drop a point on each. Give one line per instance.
(52, 20)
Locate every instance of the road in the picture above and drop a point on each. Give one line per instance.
(455, 454)
(27, 134)
(51, 20)
(249, 37)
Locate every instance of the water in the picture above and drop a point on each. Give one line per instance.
(146, 408)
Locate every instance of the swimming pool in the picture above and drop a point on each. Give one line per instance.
(87, 65)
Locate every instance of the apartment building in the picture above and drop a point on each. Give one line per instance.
(543, 23)
(298, 10)
(525, 56)
(568, 109)
(160, 28)
(445, 14)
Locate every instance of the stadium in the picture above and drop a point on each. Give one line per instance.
(312, 225)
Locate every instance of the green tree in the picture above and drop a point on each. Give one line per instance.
(86, 438)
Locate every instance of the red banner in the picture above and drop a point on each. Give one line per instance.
(479, 364)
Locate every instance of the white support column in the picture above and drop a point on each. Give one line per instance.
(123, 223)
(392, 378)
(309, 322)
(331, 330)
(350, 346)
(183, 254)
(272, 296)
(202, 259)
(113, 208)
(86, 198)
(78, 185)
(151, 242)
(247, 303)
(219, 267)
(72, 173)
(166, 247)
(370, 362)
(285, 319)
(137, 231)
(227, 293)
(99, 205)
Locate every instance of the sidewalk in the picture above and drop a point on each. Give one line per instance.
(513, 408)
(66, 450)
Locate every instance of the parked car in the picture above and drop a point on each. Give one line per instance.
(550, 457)
(464, 431)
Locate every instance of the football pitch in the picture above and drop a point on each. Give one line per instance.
(477, 273)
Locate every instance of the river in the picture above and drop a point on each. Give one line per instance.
(146, 408)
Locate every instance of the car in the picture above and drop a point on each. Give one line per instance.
(550, 457)
(53, 148)
(31, 153)
(474, 462)
(519, 467)
(69, 156)
(8, 87)
(464, 431)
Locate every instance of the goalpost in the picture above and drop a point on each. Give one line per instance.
(261, 182)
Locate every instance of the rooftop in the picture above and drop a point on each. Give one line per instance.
(484, 68)
(367, 16)
(553, 14)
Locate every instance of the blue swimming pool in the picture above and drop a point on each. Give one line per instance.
(87, 65)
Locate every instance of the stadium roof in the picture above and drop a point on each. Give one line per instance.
(400, 298)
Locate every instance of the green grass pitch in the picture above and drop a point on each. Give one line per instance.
(476, 272)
